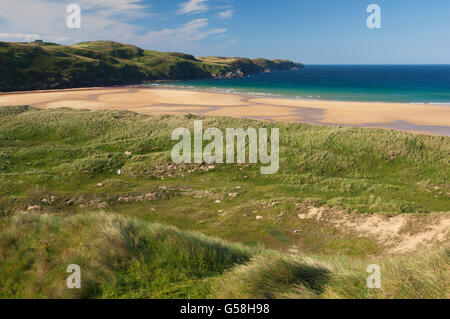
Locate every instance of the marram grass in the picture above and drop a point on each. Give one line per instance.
(62, 202)
(127, 258)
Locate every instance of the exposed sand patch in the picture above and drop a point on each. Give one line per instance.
(146, 96)
(194, 98)
(360, 113)
(263, 111)
(400, 234)
(40, 98)
(176, 110)
(419, 118)
(92, 105)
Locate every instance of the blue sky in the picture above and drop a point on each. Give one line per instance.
(308, 31)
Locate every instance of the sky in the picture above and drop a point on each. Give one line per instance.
(307, 31)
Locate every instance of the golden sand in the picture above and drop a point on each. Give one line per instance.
(172, 101)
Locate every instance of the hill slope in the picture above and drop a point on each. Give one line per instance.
(369, 170)
(62, 202)
(126, 258)
(28, 66)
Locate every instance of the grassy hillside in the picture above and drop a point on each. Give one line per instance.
(62, 202)
(368, 170)
(26, 66)
(126, 258)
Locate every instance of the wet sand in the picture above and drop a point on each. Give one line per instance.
(423, 118)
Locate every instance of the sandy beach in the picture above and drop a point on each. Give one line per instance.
(424, 118)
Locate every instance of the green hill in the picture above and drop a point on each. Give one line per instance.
(369, 170)
(28, 66)
(62, 202)
(121, 257)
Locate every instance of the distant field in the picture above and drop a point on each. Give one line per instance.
(300, 233)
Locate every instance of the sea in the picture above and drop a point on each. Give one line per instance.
(417, 84)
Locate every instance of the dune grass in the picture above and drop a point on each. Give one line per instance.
(119, 257)
(126, 258)
(421, 275)
(62, 202)
(367, 170)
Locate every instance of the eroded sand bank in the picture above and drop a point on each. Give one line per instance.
(433, 119)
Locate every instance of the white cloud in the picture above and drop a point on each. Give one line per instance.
(113, 4)
(21, 37)
(193, 6)
(29, 20)
(226, 14)
(121, 8)
(192, 31)
(101, 20)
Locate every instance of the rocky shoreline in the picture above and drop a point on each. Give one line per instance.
(49, 66)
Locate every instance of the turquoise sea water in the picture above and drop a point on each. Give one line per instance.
(375, 83)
